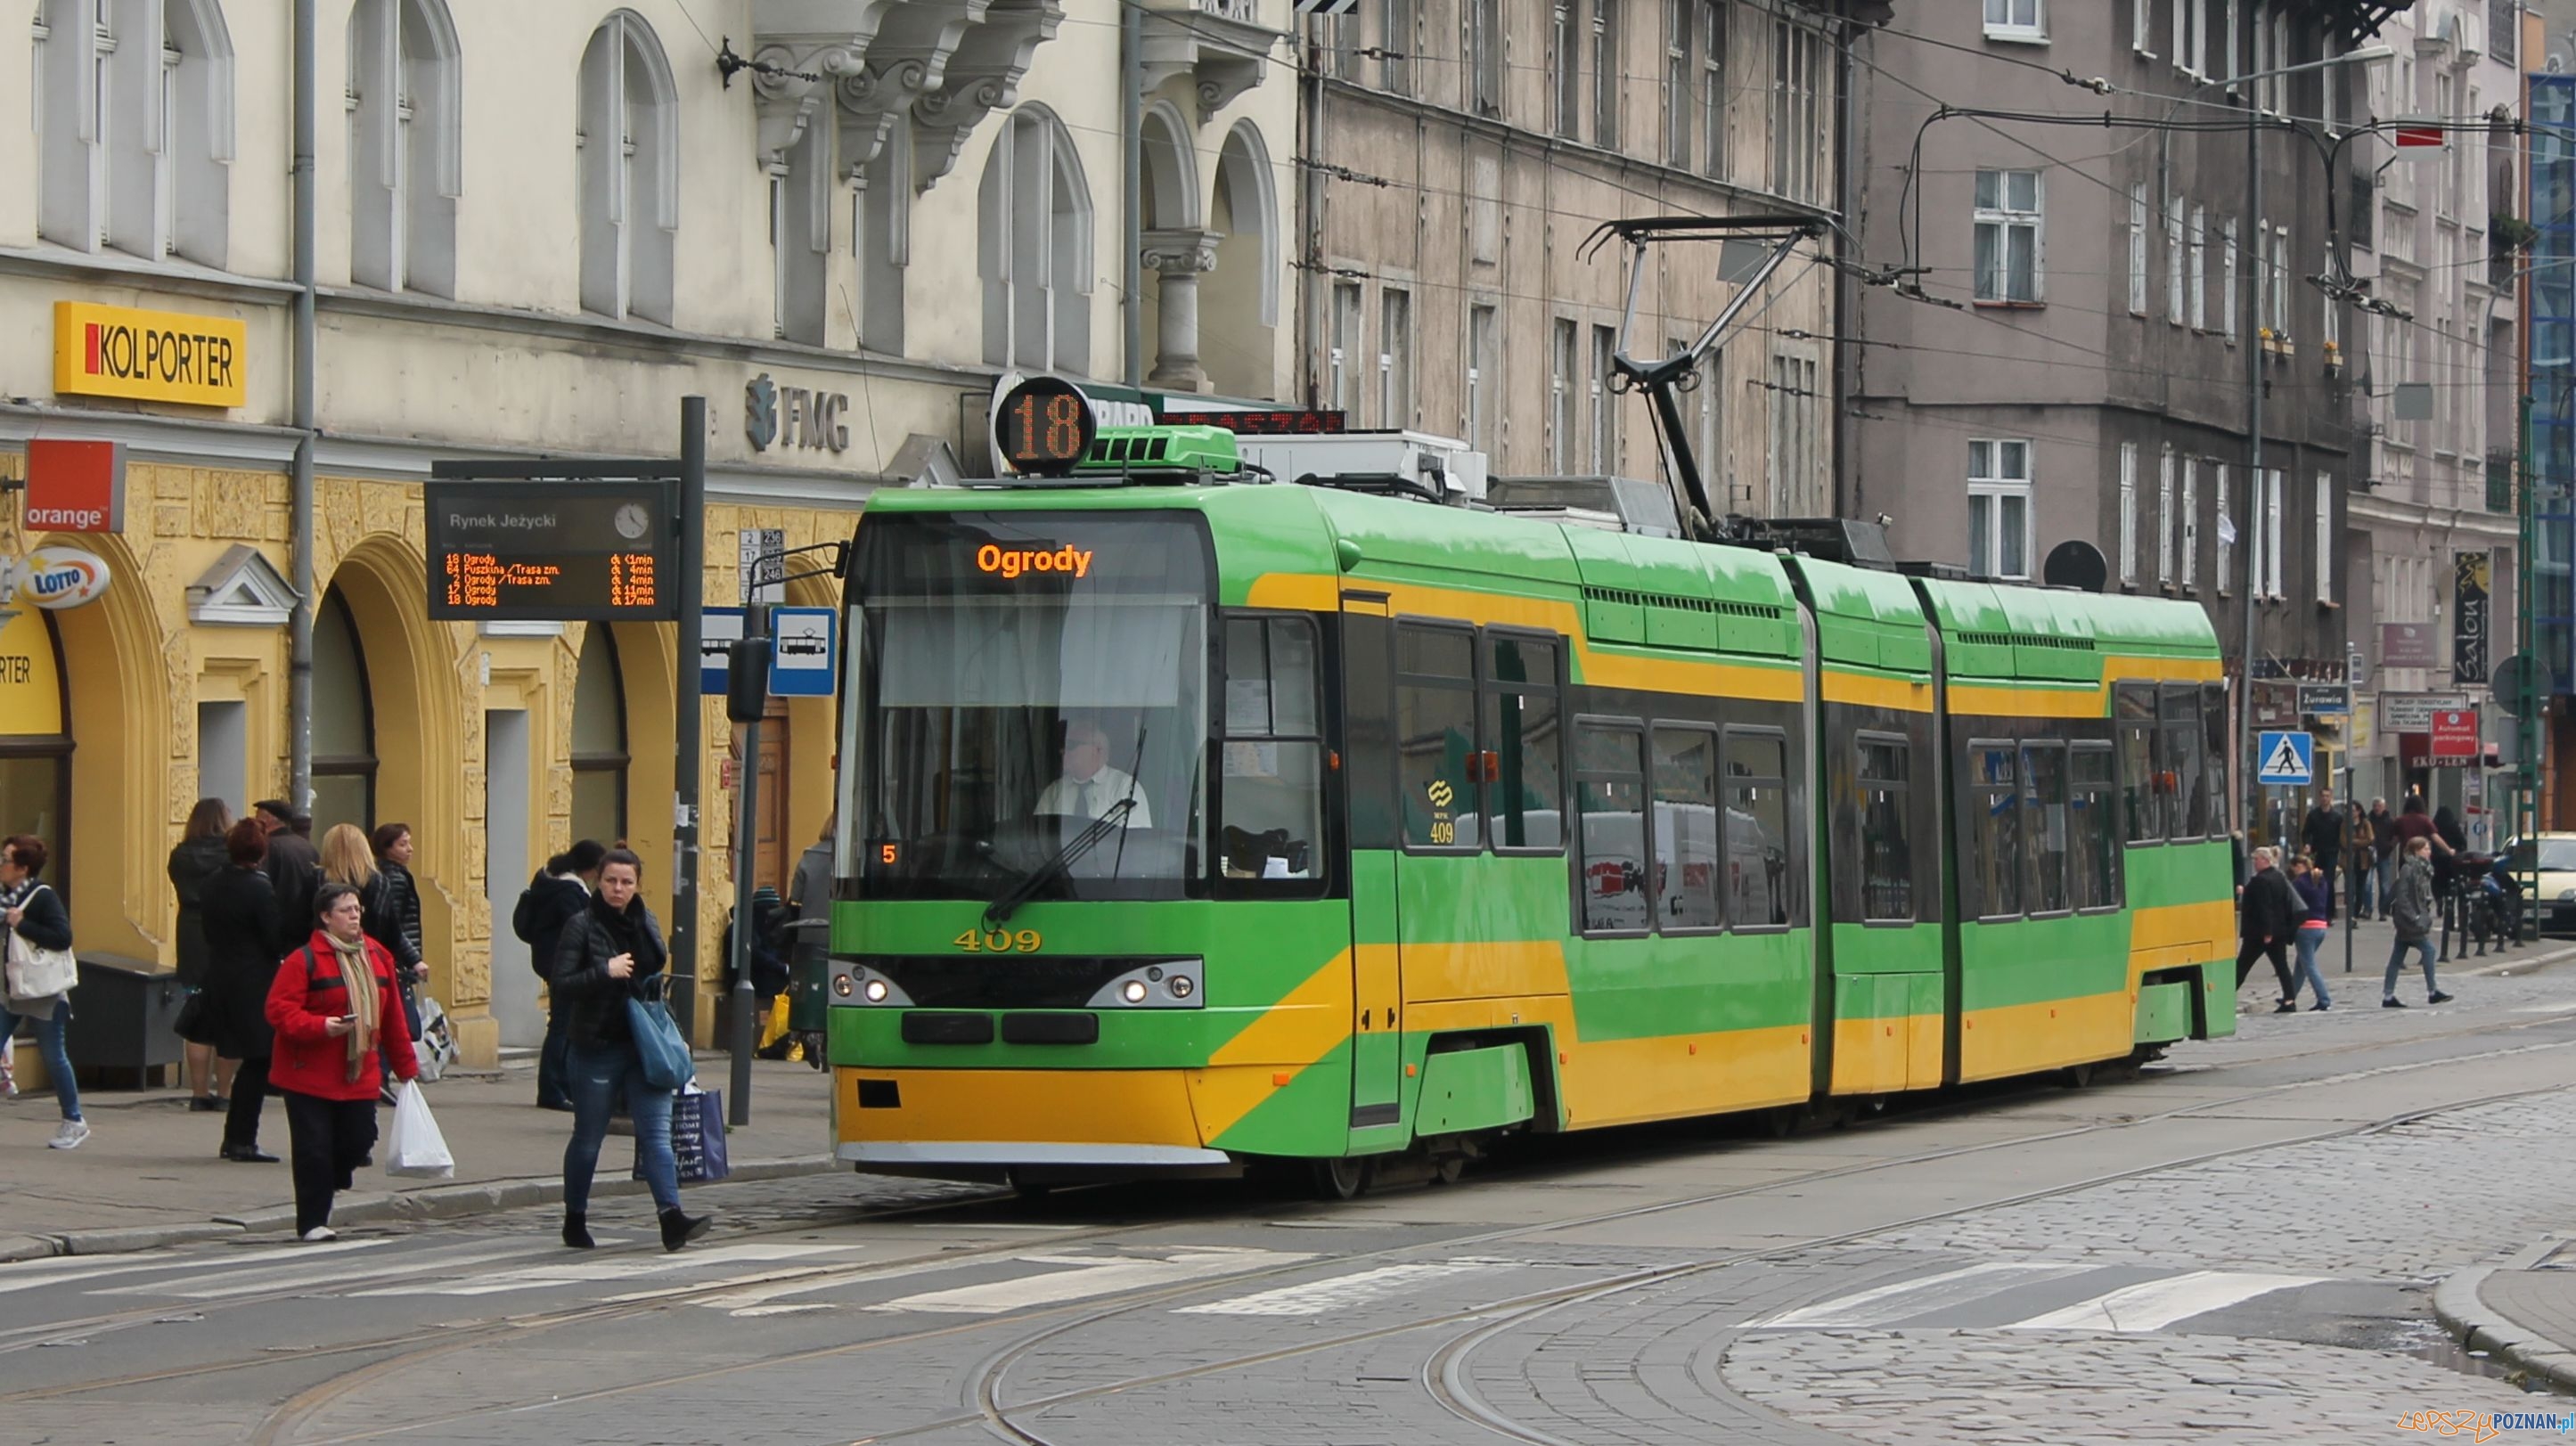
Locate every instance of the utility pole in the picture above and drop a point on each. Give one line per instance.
(688, 755)
(2252, 230)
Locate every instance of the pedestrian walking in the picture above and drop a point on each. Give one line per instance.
(2411, 909)
(397, 911)
(2384, 844)
(194, 863)
(2316, 914)
(559, 892)
(293, 867)
(243, 942)
(609, 951)
(29, 906)
(337, 1014)
(2322, 832)
(2359, 862)
(2265, 921)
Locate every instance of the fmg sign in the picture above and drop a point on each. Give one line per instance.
(149, 356)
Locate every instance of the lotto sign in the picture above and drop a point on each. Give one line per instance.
(2455, 735)
(2288, 760)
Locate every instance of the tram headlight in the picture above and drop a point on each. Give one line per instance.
(1133, 991)
(875, 991)
(1181, 986)
(841, 985)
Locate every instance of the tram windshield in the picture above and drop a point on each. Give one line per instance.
(1025, 676)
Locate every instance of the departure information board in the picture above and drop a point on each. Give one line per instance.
(538, 551)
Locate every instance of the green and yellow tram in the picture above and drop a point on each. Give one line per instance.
(1193, 822)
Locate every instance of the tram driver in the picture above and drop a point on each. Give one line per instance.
(1090, 785)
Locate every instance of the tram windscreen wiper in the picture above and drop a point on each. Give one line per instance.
(1112, 819)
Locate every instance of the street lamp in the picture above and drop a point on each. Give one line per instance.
(2250, 790)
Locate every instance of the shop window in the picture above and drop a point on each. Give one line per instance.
(2142, 793)
(1758, 882)
(599, 740)
(1526, 796)
(1994, 812)
(1610, 793)
(1886, 854)
(1435, 736)
(344, 723)
(2093, 861)
(1687, 862)
(2043, 775)
(1272, 792)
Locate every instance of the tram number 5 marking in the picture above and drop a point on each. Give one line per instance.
(999, 941)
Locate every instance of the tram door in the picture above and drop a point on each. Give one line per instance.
(1369, 778)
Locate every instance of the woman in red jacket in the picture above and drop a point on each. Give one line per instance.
(335, 1006)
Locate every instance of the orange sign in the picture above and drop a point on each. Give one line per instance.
(1013, 562)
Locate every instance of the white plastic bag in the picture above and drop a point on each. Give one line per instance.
(416, 1147)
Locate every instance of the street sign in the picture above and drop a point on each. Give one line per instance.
(2472, 572)
(2289, 760)
(571, 552)
(2455, 736)
(803, 661)
(2419, 138)
(2407, 645)
(2413, 712)
(2325, 700)
(762, 565)
(720, 629)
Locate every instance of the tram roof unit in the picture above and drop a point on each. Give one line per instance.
(2033, 634)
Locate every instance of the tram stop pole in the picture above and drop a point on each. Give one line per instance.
(746, 702)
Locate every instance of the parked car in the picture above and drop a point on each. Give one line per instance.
(2556, 898)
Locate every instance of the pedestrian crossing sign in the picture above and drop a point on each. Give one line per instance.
(2288, 760)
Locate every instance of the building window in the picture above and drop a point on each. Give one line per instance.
(2008, 237)
(2280, 84)
(2142, 25)
(1485, 55)
(1679, 73)
(1609, 76)
(2272, 534)
(1713, 96)
(1341, 42)
(1034, 248)
(404, 137)
(2279, 294)
(1795, 456)
(777, 250)
(344, 720)
(1999, 509)
(2165, 516)
(2182, 37)
(1398, 46)
(1605, 400)
(1797, 113)
(2138, 249)
(1712, 418)
(2128, 513)
(2323, 565)
(2014, 20)
(2227, 45)
(2190, 522)
(2227, 294)
(599, 739)
(2175, 271)
(1344, 359)
(1566, 72)
(2226, 528)
(629, 165)
(1395, 358)
(2199, 281)
(1484, 375)
(1560, 398)
(133, 105)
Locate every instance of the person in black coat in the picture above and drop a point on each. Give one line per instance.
(243, 945)
(193, 865)
(293, 865)
(559, 892)
(2265, 920)
(608, 955)
(393, 913)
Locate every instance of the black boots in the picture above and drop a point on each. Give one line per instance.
(679, 1228)
(576, 1232)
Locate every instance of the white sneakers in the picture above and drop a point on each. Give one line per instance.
(320, 1233)
(70, 1137)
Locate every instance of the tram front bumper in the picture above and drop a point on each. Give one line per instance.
(979, 1123)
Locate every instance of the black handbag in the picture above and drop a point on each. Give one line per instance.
(195, 1023)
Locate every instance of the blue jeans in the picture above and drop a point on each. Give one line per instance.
(49, 1045)
(2363, 894)
(598, 1075)
(2397, 966)
(2309, 939)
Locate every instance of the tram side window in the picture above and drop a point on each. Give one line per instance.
(1686, 828)
(2043, 775)
(1886, 855)
(1994, 803)
(2139, 783)
(1526, 794)
(1610, 801)
(1757, 828)
(2215, 743)
(1272, 788)
(2095, 862)
(2187, 812)
(1435, 736)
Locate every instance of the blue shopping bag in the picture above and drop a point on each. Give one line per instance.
(698, 1136)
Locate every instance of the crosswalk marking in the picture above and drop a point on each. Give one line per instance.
(39, 1275)
(1090, 1276)
(1886, 1304)
(327, 1279)
(1318, 1296)
(560, 1272)
(2159, 1303)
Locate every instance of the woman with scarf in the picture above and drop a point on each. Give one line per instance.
(606, 956)
(335, 1007)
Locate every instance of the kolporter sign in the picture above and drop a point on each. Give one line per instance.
(149, 356)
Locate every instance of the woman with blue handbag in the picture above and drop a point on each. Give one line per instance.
(608, 971)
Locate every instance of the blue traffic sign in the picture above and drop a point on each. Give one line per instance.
(803, 661)
(2286, 760)
(719, 628)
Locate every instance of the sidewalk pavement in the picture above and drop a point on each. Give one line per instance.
(2521, 1312)
(149, 1175)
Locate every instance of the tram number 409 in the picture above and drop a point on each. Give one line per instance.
(999, 941)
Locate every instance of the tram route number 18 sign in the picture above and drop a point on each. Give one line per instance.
(533, 551)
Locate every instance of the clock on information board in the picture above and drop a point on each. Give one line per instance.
(1044, 427)
(537, 551)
